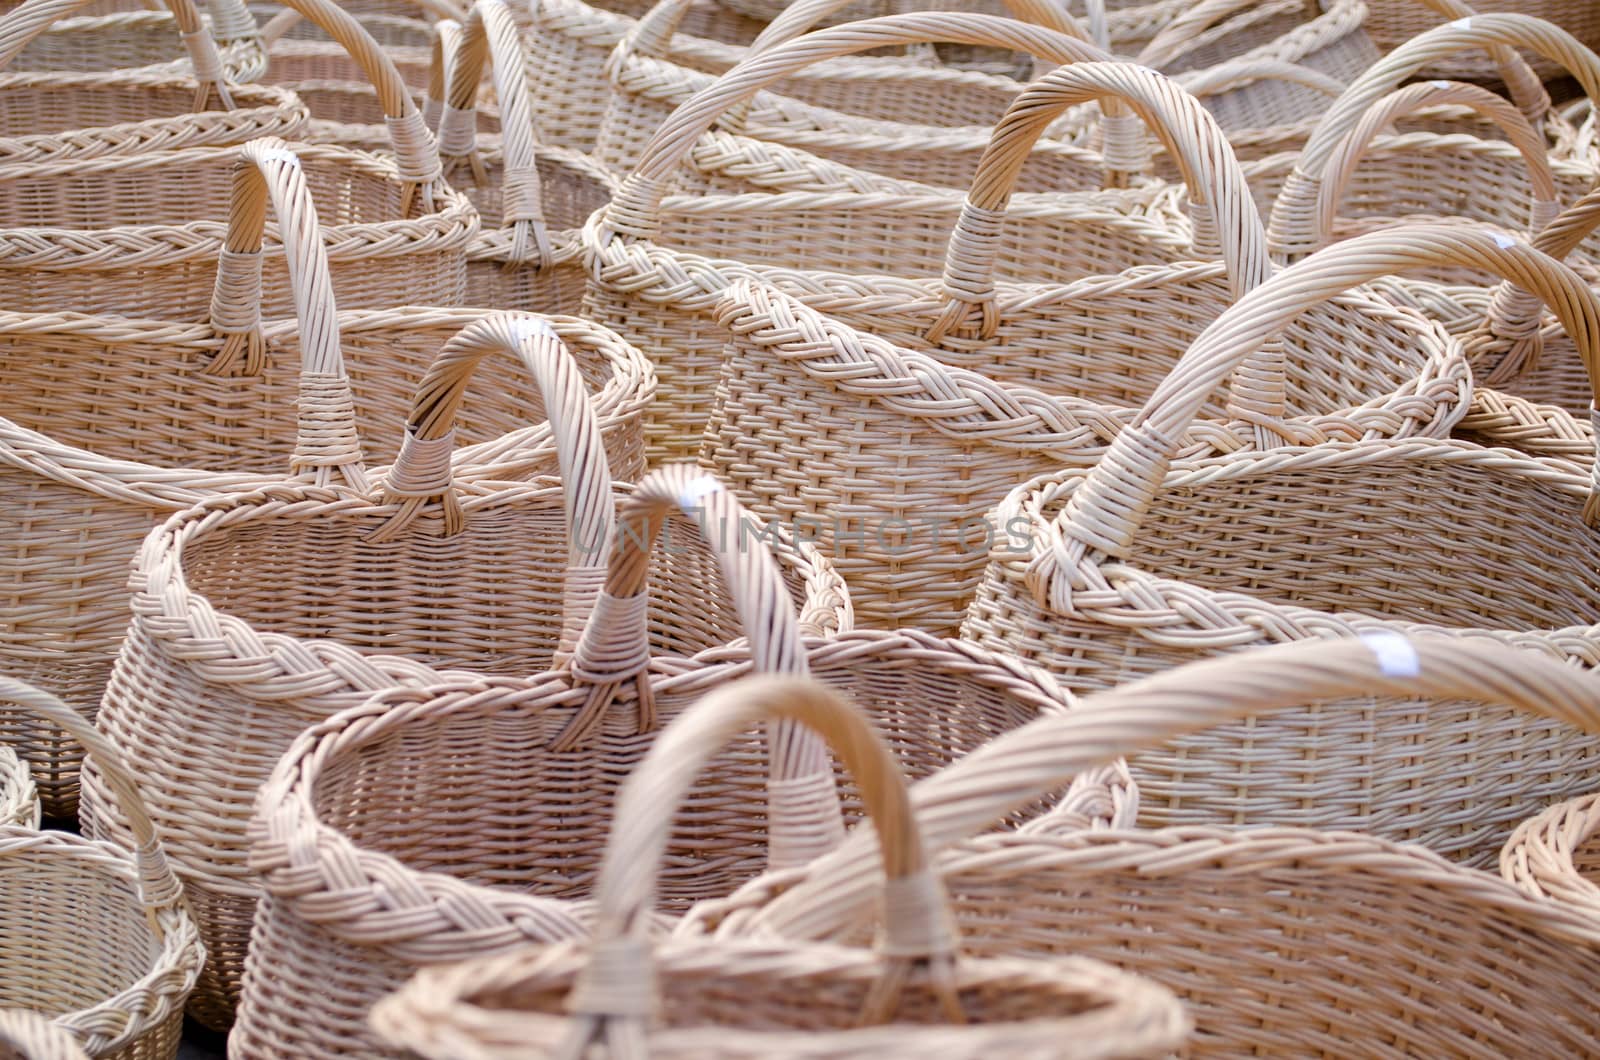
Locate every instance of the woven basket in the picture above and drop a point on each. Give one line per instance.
(83, 37)
(1283, 940)
(95, 937)
(918, 996)
(1424, 174)
(1391, 23)
(940, 431)
(19, 798)
(27, 1035)
(533, 199)
(1136, 566)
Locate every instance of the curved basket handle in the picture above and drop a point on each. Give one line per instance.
(1019, 766)
(1412, 98)
(1104, 514)
(443, 49)
(919, 924)
(27, 21)
(268, 169)
(416, 153)
(490, 30)
(158, 887)
(422, 473)
(1237, 73)
(1198, 25)
(29, 1035)
(1511, 327)
(634, 208)
(1292, 227)
(1523, 85)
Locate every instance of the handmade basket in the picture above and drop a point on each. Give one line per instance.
(19, 798)
(26, 1035)
(1390, 23)
(1301, 942)
(1139, 565)
(917, 996)
(957, 411)
(533, 199)
(81, 113)
(112, 424)
(85, 37)
(97, 938)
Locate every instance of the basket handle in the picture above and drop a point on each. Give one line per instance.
(158, 887)
(416, 153)
(1412, 98)
(634, 208)
(422, 474)
(614, 648)
(1292, 229)
(443, 49)
(1017, 767)
(1236, 73)
(491, 32)
(269, 170)
(30, 1035)
(612, 997)
(1199, 25)
(1103, 516)
(1510, 330)
(1523, 85)
(27, 21)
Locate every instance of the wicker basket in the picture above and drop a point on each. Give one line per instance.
(1013, 392)
(19, 798)
(53, 36)
(1284, 940)
(96, 937)
(918, 996)
(1391, 23)
(533, 199)
(1553, 857)
(1136, 566)
(26, 1035)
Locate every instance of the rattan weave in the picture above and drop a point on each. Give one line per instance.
(918, 996)
(98, 937)
(26, 1035)
(1284, 941)
(1391, 23)
(1141, 564)
(19, 797)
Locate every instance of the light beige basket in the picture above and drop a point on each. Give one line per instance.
(79, 113)
(19, 798)
(908, 409)
(917, 996)
(26, 1035)
(1552, 856)
(1392, 23)
(1139, 565)
(210, 701)
(111, 424)
(1286, 940)
(533, 199)
(95, 936)
(82, 36)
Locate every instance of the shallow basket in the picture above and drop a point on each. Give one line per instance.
(96, 938)
(919, 996)
(1141, 564)
(1298, 941)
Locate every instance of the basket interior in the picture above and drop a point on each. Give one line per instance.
(152, 403)
(188, 190)
(74, 934)
(1421, 540)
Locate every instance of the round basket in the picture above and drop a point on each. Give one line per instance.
(1301, 942)
(917, 996)
(96, 938)
(1141, 564)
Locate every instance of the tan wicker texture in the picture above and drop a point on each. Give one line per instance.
(1553, 856)
(26, 1035)
(1391, 23)
(903, 451)
(98, 937)
(19, 797)
(234, 649)
(533, 199)
(917, 996)
(1139, 565)
(1284, 941)
(112, 424)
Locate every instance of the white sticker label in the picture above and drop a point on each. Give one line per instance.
(697, 488)
(279, 154)
(1462, 23)
(1396, 655)
(525, 328)
(1504, 242)
(1442, 86)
